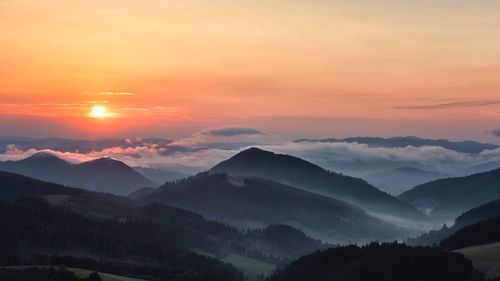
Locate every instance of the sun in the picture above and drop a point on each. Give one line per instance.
(99, 111)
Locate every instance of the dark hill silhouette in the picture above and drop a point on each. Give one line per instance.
(254, 202)
(175, 226)
(484, 212)
(388, 262)
(307, 176)
(104, 174)
(447, 198)
(484, 232)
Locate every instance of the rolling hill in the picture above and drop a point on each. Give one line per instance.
(299, 173)
(445, 199)
(250, 202)
(103, 174)
(156, 224)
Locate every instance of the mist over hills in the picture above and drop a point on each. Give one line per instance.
(398, 180)
(103, 174)
(299, 173)
(253, 202)
(161, 234)
(445, 199)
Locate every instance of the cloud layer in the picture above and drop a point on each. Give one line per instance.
(195, 154)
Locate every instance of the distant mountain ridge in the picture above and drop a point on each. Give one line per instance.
(459, 146)
(103, 174)
(302, 174)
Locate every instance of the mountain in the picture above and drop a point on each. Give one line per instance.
(160, 176)
(461, 146)
(398, 180)
(104, 174)
(250, 202)
(387, 262)
(299, 173)
(445, 199)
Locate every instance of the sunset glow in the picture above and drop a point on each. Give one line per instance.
(99, 111)
(379, 67)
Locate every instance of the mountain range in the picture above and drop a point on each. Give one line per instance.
(103, 174)
(460, 146)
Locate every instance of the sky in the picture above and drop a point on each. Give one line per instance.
(294, 68)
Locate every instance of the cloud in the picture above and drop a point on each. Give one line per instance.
(472, 103)
(186, 155)
(116, 94)
(233, 132)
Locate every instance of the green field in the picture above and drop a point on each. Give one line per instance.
(252, 268)
(485, 258)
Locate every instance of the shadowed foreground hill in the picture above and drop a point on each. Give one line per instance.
(482, 213)
(82, 223)
(250, 202)
(387, 262)
(103, 174)
(299, 173)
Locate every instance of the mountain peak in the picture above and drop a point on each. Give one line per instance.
(43, 155)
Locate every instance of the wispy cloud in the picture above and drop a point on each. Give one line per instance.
(460, 104)
(116, 94)
(232, 132)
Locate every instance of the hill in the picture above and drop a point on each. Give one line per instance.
(168, 226)
(483, 232)
(484, 212)
(104, 174)
(445, 199)
(299, 173)
(250, 202)
(398, 180)
(380, 262)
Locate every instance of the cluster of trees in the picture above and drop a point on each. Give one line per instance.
(31, 225)
(43, 274)
(388, 262)
(484, 232)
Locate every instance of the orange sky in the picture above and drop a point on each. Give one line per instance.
(292, 67)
